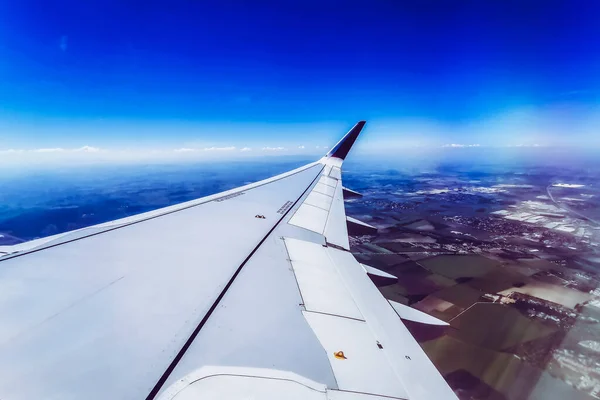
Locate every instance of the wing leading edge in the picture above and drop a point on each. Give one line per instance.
(205, 299)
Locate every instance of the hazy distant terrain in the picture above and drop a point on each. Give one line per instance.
(40, 203)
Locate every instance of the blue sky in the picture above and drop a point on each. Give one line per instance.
(157, 75)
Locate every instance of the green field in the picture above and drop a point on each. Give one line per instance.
(503, 372)
(497, 327)
(497, 280)
(462, 295)
(460, 266)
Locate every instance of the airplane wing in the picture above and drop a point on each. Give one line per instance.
(250, 293)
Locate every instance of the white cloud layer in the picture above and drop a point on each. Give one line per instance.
(213, 148)
(92, 155)
(457, 145)
(229, 148)
(84, 149)
(52, 150)
(88, 149)
(461, 145)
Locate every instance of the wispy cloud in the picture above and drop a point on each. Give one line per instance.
(213, 148)
(228, 148)
(50, 150)
(458, 145)
(10, 151)
(83, 149)
(455, 145)
(90, 154)
(88, 149)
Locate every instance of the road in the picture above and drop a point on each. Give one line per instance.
(568, 209)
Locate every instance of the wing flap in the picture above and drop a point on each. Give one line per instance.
(345, 311)
(358, 363)
(335, 173)
(403, 352)
(325, 189)
(336, 231)
(314, 212)
(319, 200)
(329, 181)
(321, 287)
(310, 217)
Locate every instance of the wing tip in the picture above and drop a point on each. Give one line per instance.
(341, 149)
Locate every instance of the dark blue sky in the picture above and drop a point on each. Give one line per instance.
(116, 73)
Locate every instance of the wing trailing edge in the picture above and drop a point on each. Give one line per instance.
(412, 314)
(350, 194)
(379, 277)
(358, 227)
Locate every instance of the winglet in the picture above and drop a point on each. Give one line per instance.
(341, 149)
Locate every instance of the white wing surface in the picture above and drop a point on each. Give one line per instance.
(250, 293)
